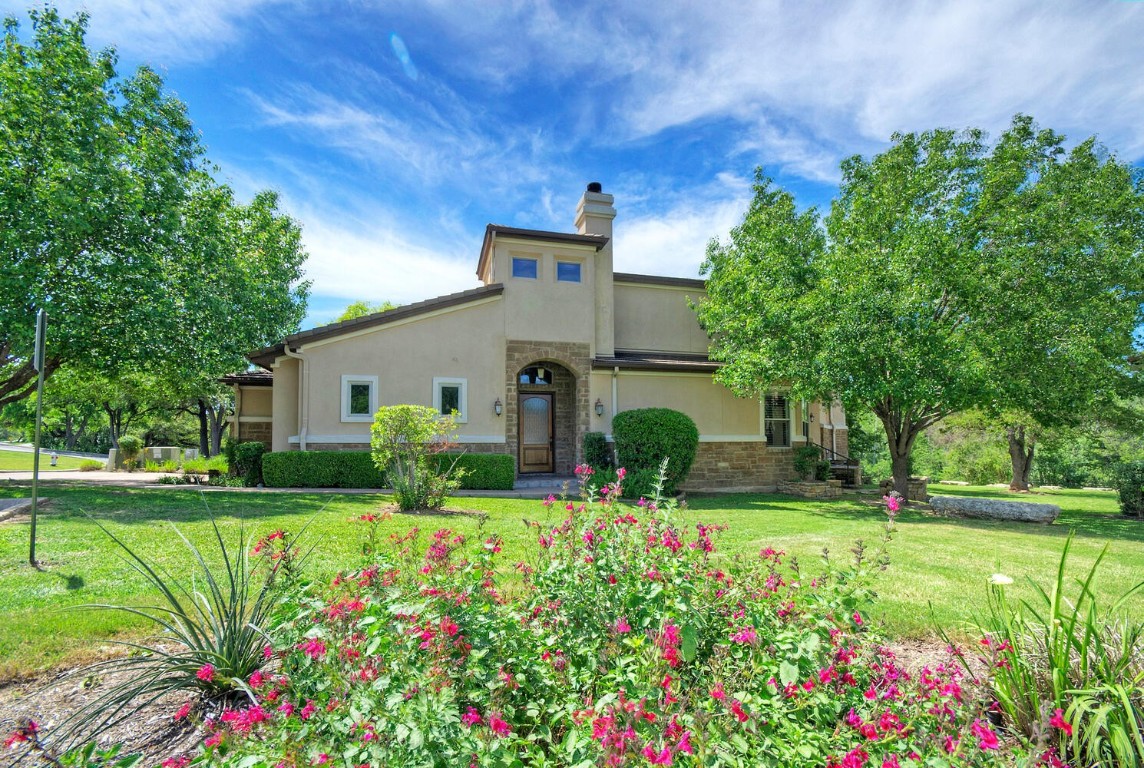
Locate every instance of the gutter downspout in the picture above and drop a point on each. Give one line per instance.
(615, 392)
(303, 396)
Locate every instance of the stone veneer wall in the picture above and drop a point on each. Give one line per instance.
(572, 415)
(255, 432)
(461, 447)
(739, 466)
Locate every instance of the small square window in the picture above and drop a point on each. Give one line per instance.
(524, 267)
(567, 272)
(450, 395)
(359, 397)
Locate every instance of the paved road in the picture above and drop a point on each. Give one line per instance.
(46, 452)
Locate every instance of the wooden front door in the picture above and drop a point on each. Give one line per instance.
(537, 452)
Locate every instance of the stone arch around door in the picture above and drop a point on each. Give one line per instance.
(571, 367)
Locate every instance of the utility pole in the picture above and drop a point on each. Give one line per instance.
(38, 363)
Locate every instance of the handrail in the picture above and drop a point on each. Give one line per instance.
(849, 462)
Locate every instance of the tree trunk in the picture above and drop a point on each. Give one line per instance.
(204, 432)
(217, 420)
(114, 424)
(901, 431)
(1021, 447)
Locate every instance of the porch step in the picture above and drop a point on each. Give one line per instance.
(552, 483)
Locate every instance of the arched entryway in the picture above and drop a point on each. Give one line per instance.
(546, 427)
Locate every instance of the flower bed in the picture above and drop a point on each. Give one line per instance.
(625, 640)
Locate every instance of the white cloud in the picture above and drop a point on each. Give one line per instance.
(671, 239)
(848, 74)
(166, 32)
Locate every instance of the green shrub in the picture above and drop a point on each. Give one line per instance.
(321, 469)
(355, 469)
(646, 435)
(129, 448)
(1129, 480)
(482, 471)
(90, 465)
(403, 438)
(810, 465)
(245, 460)
(597, 452)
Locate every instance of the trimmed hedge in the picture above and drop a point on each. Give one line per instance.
(355, 469)
(597, 452)
(644, 436)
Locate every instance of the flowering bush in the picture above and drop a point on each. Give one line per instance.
(625, 640)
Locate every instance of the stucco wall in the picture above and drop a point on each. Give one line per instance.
(544, 309)
(464, 342)
(657, 318)
(257, 401)
(285, 400)
(714, 408)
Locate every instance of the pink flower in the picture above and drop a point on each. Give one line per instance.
(308, 710)
(718, 693)
(183, 711)
(205, 673)
(213, 740)
(177, 762)
(746, 636)
(892, 503)
(663, 757)
(499, 726)
(314, 648)
(471, 717)
(737, 711)
(986, 738)
(1058, 721)
(321, 759)
(621, 626)
(550, 500)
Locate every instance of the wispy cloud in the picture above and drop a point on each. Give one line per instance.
(166, 32)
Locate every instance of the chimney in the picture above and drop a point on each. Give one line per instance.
(594, 216)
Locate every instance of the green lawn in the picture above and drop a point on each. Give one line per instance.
(13, 461)
(945, 562)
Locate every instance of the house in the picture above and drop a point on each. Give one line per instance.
(548, 348)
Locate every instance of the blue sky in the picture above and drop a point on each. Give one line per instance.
(395, 131)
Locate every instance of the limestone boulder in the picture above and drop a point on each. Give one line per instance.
(995, 509)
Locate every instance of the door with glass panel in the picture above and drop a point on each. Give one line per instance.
(536, 434)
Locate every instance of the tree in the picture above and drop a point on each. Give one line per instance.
(362, 308)
(111, 222)
(933, 281)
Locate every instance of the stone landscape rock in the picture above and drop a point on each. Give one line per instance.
(995, 509)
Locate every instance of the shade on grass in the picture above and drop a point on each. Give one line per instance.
(945, 563)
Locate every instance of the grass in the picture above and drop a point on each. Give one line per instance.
(943, 562)
(14, 461)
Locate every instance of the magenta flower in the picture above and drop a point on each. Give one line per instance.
(205, 673)
(499, 726)
(471, 717)
(1058, 721)
(892, 503)
(621, 626)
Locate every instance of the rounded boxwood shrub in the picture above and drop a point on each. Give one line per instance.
(644, 436)
(597, 452)
(129, 449)
(355, 469)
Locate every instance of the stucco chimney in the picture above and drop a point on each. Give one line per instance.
(594, 216)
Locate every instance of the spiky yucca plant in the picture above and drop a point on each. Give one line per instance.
(212, 629)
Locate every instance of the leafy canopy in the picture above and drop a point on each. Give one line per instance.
(946, 275)
(110, 221)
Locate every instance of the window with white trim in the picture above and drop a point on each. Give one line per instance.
(451, 395)
(776, 421)
(359, 397)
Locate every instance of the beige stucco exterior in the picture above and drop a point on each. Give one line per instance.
(604, 343)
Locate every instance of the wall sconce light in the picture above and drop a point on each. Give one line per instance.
(498, 407)
(599, 407)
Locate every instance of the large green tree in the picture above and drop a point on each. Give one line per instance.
(110, 220)
(939, 281)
